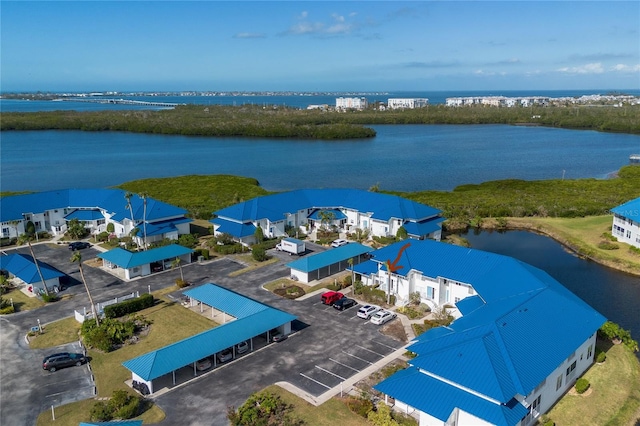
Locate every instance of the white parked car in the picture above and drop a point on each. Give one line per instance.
(339, 242)
(242, 347)
(367, 310)
(203, 364)
(382, 317)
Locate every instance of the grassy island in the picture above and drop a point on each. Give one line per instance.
(285, 122)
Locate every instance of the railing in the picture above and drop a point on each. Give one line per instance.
(83, 316)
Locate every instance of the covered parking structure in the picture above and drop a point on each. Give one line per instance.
(252, 319)
(322, 265)
(137, 264)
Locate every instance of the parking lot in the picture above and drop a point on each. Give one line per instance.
(326, 348)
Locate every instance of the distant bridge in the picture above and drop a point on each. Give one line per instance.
(120, 102)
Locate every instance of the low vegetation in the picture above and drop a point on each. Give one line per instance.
(285, 122)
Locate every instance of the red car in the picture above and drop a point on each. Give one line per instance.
(330, 297)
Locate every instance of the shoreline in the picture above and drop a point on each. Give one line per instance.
(522, 224)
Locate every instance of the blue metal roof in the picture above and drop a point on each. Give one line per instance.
(234, 228)
(23, 267)
(114, 423)
(163, 227)
(110, 200)
(274, 207)
(490, 349)
(365, 268)
(329, 257)
(226, 300)
(629, 210)
(127, 259)
(439, 399)
(423, 228)
(253, 318)
(85, 215)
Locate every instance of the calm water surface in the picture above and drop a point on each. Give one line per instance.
(614, 294)
(403, 158)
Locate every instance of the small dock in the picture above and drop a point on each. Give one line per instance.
(634, 159)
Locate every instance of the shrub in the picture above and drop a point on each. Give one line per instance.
(49, 298)
(259, 253)
(607, 245)
(202, 252)
(129, 306)
(188, 240)
(360, 406)
(129, 410)
(582, 385)
(346, 282)
(100, 412)
(103, 236)
(608, 236)
(181, 283)
(111, 228)
(601, 356)
(634, 250)
(7, 310)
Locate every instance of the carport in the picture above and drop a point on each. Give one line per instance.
(322, 265)
(24, 268)
(146, 262)
(252, 319)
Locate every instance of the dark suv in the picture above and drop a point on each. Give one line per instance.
(79, 245)
(65, 359)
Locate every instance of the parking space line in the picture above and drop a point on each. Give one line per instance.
(314, 380)
(369, 350)
(357, 357)
(344, 365)
(380, 343)
(327, 371)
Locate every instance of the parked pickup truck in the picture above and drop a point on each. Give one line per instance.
(291, 246)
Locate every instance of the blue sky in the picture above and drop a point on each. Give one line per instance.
(319, 45)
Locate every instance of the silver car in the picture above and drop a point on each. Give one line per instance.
(382, 317)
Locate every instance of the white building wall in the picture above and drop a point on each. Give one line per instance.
(466, 419)
(559, 382)
(428, 420)
(626, 230)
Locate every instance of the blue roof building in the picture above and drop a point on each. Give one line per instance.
(24, 268)
(347, 209)
(520, 341)
(51, 211)
(244, 319)
(143, 263)
(626, 223)
(326, 263)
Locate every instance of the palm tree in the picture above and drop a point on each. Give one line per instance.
(77, 257)
(26, 238)
(144, 196)
(326, 217)
(177, 262)
(128, 196)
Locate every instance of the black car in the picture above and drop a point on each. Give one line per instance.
(65, 359)
(344, 303)
(78, 245)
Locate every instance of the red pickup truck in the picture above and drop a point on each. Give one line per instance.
(330, 297)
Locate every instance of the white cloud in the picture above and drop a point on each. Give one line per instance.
(626, 68)
(305, 25)
(593, 68)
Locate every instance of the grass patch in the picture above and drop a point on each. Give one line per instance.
(615, 395)
(251, 263)
(332, 412)
(171, 323)
(56, 333)
(75, 413)
(22, 302)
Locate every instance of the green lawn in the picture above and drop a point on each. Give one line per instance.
(170, 322)
(614, 397)
(22, 302)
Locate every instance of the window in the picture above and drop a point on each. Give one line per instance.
(571, 368)
(628, 234)
(559, 382)
(457, 299)
(430, 293)
(589, 351)
(5, 232)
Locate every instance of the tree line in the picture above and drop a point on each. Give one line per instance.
(287, 122)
